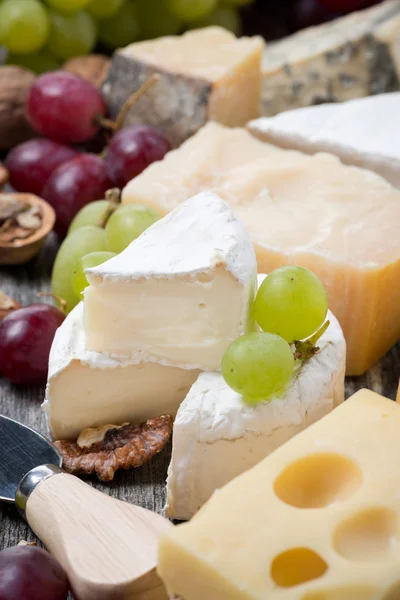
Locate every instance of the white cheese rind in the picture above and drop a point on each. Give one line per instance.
(217, 437)
(195, 238)
(354, 56)
(180, 293)
(87, 389)
(362, 132)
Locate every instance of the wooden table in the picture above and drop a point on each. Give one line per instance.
(144, 486)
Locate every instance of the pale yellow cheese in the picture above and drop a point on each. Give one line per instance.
(319, 519)
(205, 74)
(339, 221)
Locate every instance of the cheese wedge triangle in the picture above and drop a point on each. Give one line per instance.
(318, 519)
(180, 293)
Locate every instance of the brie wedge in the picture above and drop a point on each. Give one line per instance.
(180, 293)
(217, 437)
(362, 132)
(87, 389)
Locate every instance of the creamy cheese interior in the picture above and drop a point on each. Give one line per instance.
(185, 320)
(88, 389)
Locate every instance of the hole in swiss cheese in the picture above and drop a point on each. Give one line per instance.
(318, 480)
(296, 566)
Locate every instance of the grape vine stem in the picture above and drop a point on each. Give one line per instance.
(60, 301)
(117, 124)
(113, 196)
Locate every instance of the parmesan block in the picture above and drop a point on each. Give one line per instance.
(362, 132)
(206, 74)
(89, 389)
(341, 222)
(351, 57)
(217, 436)
(180, 293)
(318, 519)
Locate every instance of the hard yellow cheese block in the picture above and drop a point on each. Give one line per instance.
(319, 519)
(339, 221)
(204, 74)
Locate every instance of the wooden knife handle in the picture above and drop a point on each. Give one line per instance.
(107, 547)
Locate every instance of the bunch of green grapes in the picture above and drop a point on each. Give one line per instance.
(41, 34)
(291, 305)
(89, 244)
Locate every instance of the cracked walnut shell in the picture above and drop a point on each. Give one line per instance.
(104, 450)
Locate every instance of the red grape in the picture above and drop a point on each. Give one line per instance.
(63, 107)
(26, 336)
(133, 149)
(30, 573)
(307, 13)
(30, 164)
(342, 5)
(74, 184)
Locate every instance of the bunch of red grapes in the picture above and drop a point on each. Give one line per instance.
(69, 111)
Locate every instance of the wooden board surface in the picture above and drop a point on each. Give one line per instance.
(144, 486)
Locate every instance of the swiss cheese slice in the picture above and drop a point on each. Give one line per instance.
(217, 437)
(363, 132)
(89, 389)
(180, 293)
(201, 75)
(319, 519)
(354, 56)
(341, 222)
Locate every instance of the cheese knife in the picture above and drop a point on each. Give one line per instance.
(107, 547)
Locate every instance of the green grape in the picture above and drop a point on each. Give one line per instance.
(191, 10)
(79, 281)
(24, 26)
(80, 242)
(68, 6)
(102, 9)
(120, 29)
(90, 214)
(127, 223)
(38, 62)
(258, 365)
(155, 20)
(71, 35)
(226, 17)
(291, 302)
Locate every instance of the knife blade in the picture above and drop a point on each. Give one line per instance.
(107, 547)
(21, 449)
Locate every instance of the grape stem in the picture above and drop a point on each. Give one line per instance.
(60, 301)
(117, 124)
(304, 350)
(113, 196)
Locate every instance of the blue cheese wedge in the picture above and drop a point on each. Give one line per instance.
(362, 132)
(205, 74)
(89, 389)
(217, 437)
(351, 57)
(180, 293)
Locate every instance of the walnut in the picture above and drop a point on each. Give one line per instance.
(25, 222)
(14, 87)
(104, 450)
(93, 68)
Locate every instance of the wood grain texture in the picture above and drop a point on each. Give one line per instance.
(144, 486)
(108, 548)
